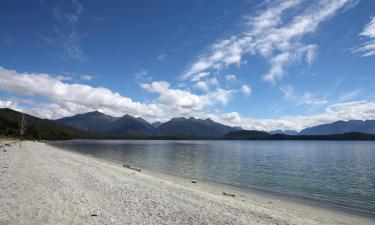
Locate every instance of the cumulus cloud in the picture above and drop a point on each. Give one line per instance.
(185, 99)
(175, 97)
(368, 48)
(220, 95)
(66, 99)
(73, 98)
(214, 81)
(8, 104)
(272, 35)
(202, 86)
(361, 110)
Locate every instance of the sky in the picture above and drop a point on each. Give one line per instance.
(266, 65)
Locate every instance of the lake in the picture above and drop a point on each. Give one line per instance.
(338, 174)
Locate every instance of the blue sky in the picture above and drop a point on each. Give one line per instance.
(257, 64)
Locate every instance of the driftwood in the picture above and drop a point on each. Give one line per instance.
(232, 195)
(132, 168)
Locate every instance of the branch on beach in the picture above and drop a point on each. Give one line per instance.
(228, 194)
(132, 168)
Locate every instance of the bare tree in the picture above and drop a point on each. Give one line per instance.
(22, 125)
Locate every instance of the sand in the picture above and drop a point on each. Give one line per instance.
(41, 184)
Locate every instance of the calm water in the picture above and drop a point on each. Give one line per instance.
(340, 174)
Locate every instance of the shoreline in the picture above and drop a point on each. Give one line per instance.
(246, 207)
(264, 196)
(267, 194)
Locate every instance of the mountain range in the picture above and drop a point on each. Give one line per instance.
(131, 126)
(260, 135)
(340, 127)
(99, 125)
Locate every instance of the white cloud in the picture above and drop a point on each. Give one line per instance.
(348, 96)
(142, 76)
(72, 46)
(68, 13)
(184, 99)
(8, 104)
(214, 81)
(86, 77)
(73, 98)
(272, 35)
(288, 92)
(161, 57)
(369, 30)
(361, 110)
(306, 98)
(368, 48)
(66, 99)
(64, 78)
(245, 89)
(202, 86)
(221, 95)
(199, 76)
(231, 77)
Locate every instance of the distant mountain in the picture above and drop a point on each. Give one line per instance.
(339, 127)
(100, 122)
(156, 124)
(193, 128)
(91, 121)
(130, 126)
(287, 132)
(37, 128)
(260, 135)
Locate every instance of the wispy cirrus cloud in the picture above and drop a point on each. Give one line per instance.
(8, 40)
(367, 48)
(86, 77)
(306, 98)
(65, 34)
(275, 33)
